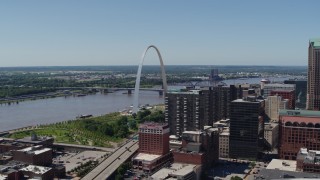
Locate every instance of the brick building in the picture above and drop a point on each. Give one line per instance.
(153, 147)
(8, 145)
(297, 129)
(35, 155)
(286, 94)
(154, 138)
(198, 147)
(268, 88)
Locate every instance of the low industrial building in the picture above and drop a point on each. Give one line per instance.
(308, 161)
(17, 171)
(35, 155)
(198, 147)
(37, 140)
(178, 171)
(9, 145)
(37, 172)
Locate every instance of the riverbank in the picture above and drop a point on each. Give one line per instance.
(53, 110)
(58, 93)
(108, 130)
(77, 132)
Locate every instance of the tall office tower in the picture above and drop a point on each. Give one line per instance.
(313, 93)
(272, 87)
(298, 129)
(272, 106)
(222, 97)
(301, 91)
(185, 111)
(192, 110)
(286, 94)
(154, 138)
(246, 128)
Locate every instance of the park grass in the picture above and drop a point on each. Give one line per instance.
(72, 132)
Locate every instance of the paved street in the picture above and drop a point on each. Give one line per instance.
(108, 166)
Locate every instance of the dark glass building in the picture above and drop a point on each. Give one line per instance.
(313, 92)
(246, 128)
(301, 92)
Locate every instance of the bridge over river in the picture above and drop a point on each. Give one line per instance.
(110, 90)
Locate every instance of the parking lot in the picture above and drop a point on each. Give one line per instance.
(74, 159)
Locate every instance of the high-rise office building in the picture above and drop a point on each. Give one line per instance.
(192, 110)
(301, 92)
(246, 128)
(222, 96)
(313, 92)
(272, 106)
(286, 94)
(186, 111)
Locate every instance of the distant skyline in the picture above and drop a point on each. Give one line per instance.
(231, 32)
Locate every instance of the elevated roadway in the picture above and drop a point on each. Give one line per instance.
(105, 169)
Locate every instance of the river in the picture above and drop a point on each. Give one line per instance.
(43, 111)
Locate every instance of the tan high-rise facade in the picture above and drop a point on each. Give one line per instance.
(313, 93)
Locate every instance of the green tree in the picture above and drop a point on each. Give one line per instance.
(236, 178)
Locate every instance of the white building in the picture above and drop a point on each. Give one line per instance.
(271, 133)
(224, 143)
(272, 106)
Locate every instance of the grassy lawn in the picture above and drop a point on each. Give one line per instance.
(99, 131)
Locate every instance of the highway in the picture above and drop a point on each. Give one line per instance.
(84, 147)
(109, 165)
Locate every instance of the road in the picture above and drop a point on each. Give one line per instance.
(109, 165)
(84, 147)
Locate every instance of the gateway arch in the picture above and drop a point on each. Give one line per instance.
(137, 86)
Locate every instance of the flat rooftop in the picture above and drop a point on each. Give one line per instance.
(192, 132)
(283, 165)
(184, 170)
(182, 92)
(36, 169)
(146, 157)
(280, 85)
(175, 169)
(35, 150)
(3, 177)
(162, 173)
(266, 174)
(305, 113)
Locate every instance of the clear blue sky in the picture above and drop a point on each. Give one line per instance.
(77, 32)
